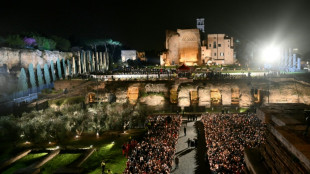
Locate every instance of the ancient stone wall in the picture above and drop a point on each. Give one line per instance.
(23, 57)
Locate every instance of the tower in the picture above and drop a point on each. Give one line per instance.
(201, 24)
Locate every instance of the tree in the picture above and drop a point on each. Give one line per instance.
(45, 43)
(59, 69)
(53, 71)
(47, 74)
(30, 42)
(22, 81)
(39, 75)
(15, 41)
(61, 43)
(32, 76)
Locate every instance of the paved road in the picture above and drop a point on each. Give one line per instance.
(186, 155)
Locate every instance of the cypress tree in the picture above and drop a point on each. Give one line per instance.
(59, 69)
(47, 74)
(22, 81)
(32, 76)
(53, 71)
(39, 75)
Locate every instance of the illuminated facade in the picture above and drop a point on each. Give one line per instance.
(183, 47)
(221, 49)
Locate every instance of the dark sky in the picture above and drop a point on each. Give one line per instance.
(142, 24)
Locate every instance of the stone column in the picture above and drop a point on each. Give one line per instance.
(294, 62)
(93, 62)
(73, 66)
(89, 61)
(285, 59)
(97, 61)
(79, 63)
(104, 62)
(298, 63)
(84, 62)
(290, 57)
(101, 61)
(108, 60)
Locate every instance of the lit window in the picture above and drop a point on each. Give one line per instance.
(221, 54)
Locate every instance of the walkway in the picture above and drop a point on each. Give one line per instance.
(186, 155)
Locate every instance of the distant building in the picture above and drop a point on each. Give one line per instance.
(141, 56)
(189, 47)
(221, 47)
(132, 55)
(201, 24)
(183, 47)
(128, 55)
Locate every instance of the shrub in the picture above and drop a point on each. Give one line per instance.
(15, 41)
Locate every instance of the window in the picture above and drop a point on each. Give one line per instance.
(210, 45)
(214, 44)
(221, 54)
(219, 45)
(214, 54)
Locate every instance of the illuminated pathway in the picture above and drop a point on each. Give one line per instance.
(186, 155)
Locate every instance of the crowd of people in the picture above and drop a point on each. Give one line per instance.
(226, 137)
(154, 154)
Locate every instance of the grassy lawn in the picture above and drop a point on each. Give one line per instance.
(24, 162)
(111, 154)
(60, 160)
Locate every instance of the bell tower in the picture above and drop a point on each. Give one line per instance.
(201, 24)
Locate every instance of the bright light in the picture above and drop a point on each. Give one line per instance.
(76, 136)
(113, 142)
(271, 54)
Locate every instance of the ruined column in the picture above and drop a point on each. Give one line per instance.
(80, 63)
(298, 63)
(108, 60)
(104, 62)
(84, 62)
(294, 62)
(93, 62)
(73, 66)
(97, 61)
(101, 61)
(89, 61)
(285, 59)
(290, 57)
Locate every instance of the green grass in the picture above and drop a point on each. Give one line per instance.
(24, 162)
(60, 160)
(111, 154)
(70, 100)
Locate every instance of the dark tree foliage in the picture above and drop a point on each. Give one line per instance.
(15, 41)
(61, 43)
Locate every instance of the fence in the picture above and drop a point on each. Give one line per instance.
(24, 96)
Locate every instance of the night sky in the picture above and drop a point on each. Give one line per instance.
(141, 24)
